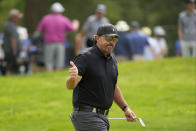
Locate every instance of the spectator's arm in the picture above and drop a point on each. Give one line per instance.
(180, 33)
(78, 42)
(164, 49)
(156, 55)
(13, 45)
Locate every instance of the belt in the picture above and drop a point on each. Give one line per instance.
(92, 109)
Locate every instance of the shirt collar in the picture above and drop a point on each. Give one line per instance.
(12, 22)
(56, 14)
(189, 14)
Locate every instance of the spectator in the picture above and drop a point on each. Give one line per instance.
(122, 49)
(54, 26)
(138, 41)
(159, 34)
(187, 29)
(90, 27)
(27, 50)
(38, 41)
(177, 48)
(2, 57)
(12, 45)
(70, 45)
(148, 54)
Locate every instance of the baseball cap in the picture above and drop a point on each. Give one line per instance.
(101, 8)
(122, 26)
(57, 8)
(16, 12)
(107, 30)
(135, 24)
(190, 1)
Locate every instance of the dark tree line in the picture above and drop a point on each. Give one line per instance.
(147, 12)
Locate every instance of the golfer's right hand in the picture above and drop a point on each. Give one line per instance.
(73, 71)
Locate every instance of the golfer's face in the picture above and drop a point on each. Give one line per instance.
(107, 43)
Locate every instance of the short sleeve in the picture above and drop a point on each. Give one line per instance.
(11, 30)
(116, 67)
(180, 17)
(68, 24)
(80, 62)
(146, 41)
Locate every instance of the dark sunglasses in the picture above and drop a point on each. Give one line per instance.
(109, 38)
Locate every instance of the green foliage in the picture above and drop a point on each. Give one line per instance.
(161, 92)
(5, 7)
(147, 12)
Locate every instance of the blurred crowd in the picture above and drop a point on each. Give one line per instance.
(51, 47)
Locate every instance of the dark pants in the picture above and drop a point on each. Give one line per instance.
(11, 63)
(2, 67)
(89, 121)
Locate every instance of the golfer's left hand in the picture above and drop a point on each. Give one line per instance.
(130, 115)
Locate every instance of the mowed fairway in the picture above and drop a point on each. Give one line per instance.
(161, 92)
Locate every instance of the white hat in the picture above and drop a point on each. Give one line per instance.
(15, 12)
(57, 8)
(122, 26)
(101, 8)
(158, 30)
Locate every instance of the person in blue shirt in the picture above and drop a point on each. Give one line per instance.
(122, 49)
(138, 41)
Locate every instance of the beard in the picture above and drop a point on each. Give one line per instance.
(106, 48)
(109, 48)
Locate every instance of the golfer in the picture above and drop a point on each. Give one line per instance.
(93, 78)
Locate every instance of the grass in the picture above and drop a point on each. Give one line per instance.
(161, 92)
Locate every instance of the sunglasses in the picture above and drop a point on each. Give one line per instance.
(109, 38)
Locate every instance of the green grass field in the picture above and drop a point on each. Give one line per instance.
(161, 92)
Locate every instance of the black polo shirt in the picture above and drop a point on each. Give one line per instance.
(99, 77)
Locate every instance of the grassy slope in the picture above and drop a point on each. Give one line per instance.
(161, 92)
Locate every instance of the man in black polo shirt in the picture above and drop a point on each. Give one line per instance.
(93, 76)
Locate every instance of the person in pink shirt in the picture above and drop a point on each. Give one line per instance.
(54, 27)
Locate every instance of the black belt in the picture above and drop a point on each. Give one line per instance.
(92, 109)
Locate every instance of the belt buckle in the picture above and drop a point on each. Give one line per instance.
(97, 110)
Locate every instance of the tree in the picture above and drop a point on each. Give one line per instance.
(34, 10)
(147, 12)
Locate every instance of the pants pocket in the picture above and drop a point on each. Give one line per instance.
(74, 121)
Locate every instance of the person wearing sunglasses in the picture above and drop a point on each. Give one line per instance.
(93, 78)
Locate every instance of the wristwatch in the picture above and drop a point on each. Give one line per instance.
(124, 107)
